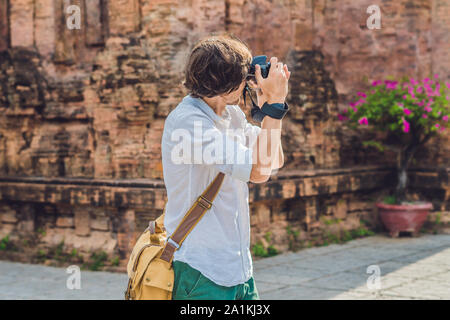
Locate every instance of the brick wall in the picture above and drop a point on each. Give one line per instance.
(91, 103)
(114, 81)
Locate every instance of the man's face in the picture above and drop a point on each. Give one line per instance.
(234, 97)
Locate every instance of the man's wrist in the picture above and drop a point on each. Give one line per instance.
(271, 100)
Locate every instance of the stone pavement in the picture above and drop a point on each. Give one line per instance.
(409, 268)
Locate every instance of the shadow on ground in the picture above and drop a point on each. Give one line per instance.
(410, 268)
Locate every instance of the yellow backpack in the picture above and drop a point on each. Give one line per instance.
(150, 272)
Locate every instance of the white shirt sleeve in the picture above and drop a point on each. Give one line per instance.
(196, 140)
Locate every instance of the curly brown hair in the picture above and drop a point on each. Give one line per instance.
(217, 65)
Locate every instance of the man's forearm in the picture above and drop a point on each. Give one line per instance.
(266, 151)
(278, 156)
(279, 160)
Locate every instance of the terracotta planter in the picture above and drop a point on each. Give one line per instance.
(405, 217)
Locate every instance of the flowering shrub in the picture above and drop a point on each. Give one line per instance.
(392, 106)
(408, 108)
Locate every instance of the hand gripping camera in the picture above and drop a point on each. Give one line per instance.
(273, 110)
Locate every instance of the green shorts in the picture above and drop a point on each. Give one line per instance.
(190, 284)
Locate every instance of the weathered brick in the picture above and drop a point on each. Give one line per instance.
(261, 214)
(45, 26)
(82, 222)
(100, 223)
(94, 23)
(22, 23)
(4, 26)
(65, 222)
(124, 16)
(9, 217)
(341, 208)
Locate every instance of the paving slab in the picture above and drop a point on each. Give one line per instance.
(422, 289)
(264, 286)
(287, 275)
(27, 281)
(409, 269)
(299, 292)
(358, 282)
(433, 256)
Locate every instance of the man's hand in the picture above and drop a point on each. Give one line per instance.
(274, 88)
(267, 150)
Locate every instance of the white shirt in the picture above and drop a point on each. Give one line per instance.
(219, 245)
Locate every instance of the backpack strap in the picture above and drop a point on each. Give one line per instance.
(192, 217)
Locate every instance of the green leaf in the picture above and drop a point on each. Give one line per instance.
(375, 144)
(390, 200)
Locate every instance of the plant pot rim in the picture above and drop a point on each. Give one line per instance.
(416, 206)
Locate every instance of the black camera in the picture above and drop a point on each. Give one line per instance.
(261, 60)
(274, 110)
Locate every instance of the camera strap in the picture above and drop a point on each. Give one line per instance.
(273, 110)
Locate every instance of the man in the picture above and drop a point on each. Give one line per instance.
(214, 261)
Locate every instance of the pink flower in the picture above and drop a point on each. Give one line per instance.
(361, 94)
(375, 83)
(391, 84)
(439, 113)
(345, 110)
(360, 101)
(447, 84)
(424, 116)
(405, 96)
(428, 109)
(405, 126)
(420, 104)
(341, 117)
(363, 121)
(445, 118)
(436, 76)
(426, 80)
(442, 129)
(419, 89)
(400, 105)
(413, 82)
(411, 92)
(437, 125)
(407, 111)
(353, 106)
